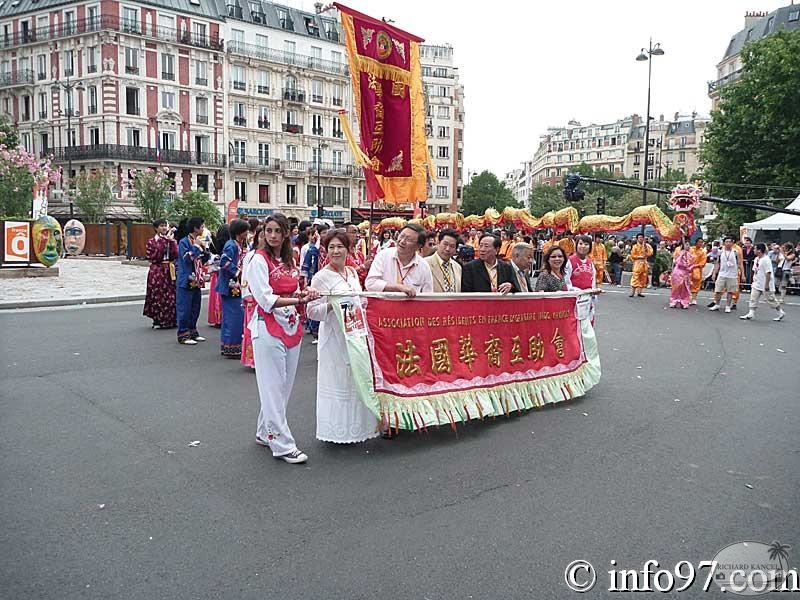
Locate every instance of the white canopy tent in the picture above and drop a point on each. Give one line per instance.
(779, 227)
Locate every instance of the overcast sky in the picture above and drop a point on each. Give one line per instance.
(528, 66)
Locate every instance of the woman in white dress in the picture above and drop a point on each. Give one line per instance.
(341, 417)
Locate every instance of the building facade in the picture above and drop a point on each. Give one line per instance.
(757, 25)
(445, 123)
(116, 87)
(240, 100)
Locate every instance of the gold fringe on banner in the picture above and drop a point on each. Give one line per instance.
(358, 154)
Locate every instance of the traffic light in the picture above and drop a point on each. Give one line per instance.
(570, 188)
(601, 205)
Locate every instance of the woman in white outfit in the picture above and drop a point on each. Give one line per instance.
(276, 331)
(341, 417)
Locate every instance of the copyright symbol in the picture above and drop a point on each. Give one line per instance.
(580, 576)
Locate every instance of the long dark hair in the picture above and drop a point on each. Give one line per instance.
(546, 259)
(286, 254)
(223, 235)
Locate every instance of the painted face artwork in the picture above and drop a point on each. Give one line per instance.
(74, 237)
(47, 243)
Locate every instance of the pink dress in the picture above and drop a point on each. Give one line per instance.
(214, 303)
(681, 294)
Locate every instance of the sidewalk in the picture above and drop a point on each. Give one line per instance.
(80, 281)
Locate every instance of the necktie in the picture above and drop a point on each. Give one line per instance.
(448, 280)
(522, 281)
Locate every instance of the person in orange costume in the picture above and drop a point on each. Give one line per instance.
(599, 257)
(549, 243)
(567, 244)
(699, 260)
(506, 245)
(639, 254)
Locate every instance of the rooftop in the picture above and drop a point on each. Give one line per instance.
(787, 17)
(210, 9)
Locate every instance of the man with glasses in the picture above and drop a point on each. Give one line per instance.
(402, 269)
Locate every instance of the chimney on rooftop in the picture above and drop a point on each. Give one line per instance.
(318, 7)
(677, 114)
(750, 18)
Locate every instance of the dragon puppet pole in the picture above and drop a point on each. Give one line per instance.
(714, 199)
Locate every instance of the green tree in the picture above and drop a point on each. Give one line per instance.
(93, 195)
(150, 189)
(754, 132)
(16, 193)
(196, 204)
(545, 198)
(486, 191)
(9, 136)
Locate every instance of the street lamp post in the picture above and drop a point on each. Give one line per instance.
(320, 146)
(68, 86)
(647, 54)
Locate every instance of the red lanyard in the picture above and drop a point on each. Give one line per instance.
(400, 277)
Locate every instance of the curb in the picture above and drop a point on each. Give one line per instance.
(75, 301)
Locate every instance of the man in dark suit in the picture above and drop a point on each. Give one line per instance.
(487, 273)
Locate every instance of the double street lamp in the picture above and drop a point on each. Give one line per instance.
(68, 86)
(647, 54)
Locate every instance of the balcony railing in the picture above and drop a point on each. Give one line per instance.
(42, 115)
(136, 153)
(330, 169)
(293, 165)
(338, 134)
(23, 77)
(714, 86)
(202, 119)
(93, 109)
(132, 110)
(240, 121)
(109, 22)
(168, 75)
(287, 58)
(294, 95)
(91, 69)
(336, 101)
(41, 76)
(292, 128)
(263, 123)
(200, 81)
(262, 89)
(332, 35)
(240, 85)
(256, 163)
(317, 98)
(131, 70)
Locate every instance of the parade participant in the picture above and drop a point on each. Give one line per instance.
(748, 260)
(159, 303)
(640, 252)
(567, 243)
(552, 277)
(357, 257)
(386, 240)
(521, 261)
(474, 239)
(402, 269)
(726, 271)
(214, 301)
(599, 257)
(445, 270)
(341, 417)
(487, 273)
(248, 303)
(699, 260)
(190, 280)
(785, 267)
(311, 264)
(740, 275)
(506, 245)
(550, 243)
(276, 333)
(579, 271)
(429, 247)
(763, 284)
(230, 290)
(615, 260)
(682, 269)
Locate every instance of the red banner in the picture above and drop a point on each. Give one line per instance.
(423, 347)
(387, 89)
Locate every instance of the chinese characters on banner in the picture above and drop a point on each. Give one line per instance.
(427, 345)
(386, 73)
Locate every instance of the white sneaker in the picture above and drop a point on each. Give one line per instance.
(728, 309)
(693, 303)
(748, 316)
(294, 457)
(189, 342)
(781, 314)
(716, 307)
(199, 338)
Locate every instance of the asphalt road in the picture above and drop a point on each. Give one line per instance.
(101, 496)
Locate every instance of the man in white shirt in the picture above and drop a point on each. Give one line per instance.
(726, 272)
(521, 261)
(401, 269)
(446, 271)
(763, 284)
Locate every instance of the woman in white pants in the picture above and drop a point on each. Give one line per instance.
(276, 332)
